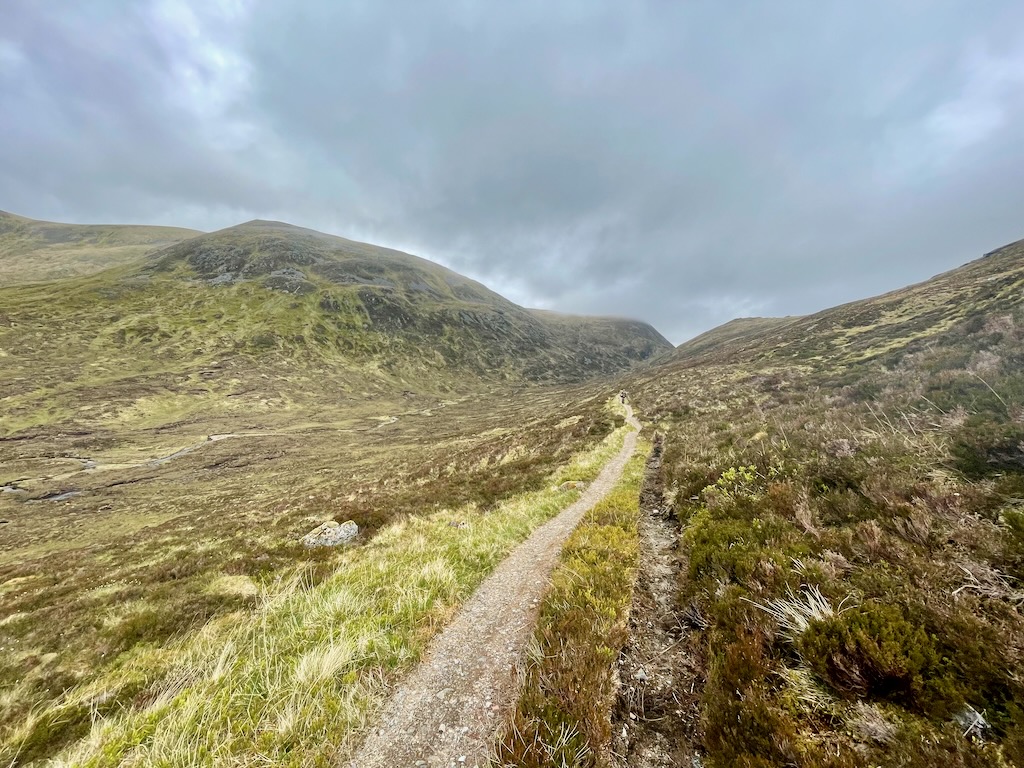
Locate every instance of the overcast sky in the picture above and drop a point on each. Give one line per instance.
(680, 162)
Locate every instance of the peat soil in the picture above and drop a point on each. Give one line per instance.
(656, 718)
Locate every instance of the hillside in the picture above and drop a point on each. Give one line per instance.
(847, 494)
(600, 338)
(881, 328)
(732, 334)
(416, 304)
(824, 568)
(32, 251)
(265, 310)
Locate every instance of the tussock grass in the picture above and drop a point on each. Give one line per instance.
(795, 612)
(563, 714)
(147, 563)
(292, 682)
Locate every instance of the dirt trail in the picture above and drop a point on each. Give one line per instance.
(656, 720)
(446, 712)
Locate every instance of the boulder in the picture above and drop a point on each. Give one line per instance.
(331, 534)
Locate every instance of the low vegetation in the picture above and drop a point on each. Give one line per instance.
(174, 424)
(567, 686)
(274, 656)
(852, 537)
(33, 251)
(849, 488)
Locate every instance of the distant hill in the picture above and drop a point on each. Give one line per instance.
(269, 302)
(840, 482)
(372, 296)
(32, 251)
(733, 333)
(883, 327)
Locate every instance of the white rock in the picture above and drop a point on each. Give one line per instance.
(331, 534)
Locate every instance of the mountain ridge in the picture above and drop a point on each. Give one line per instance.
(33, 250)
(266, 301)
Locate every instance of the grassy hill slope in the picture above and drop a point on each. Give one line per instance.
(850, 491)
(172, 425)
(733, 333)
(264, 311)
(410, 301)
(32, 251)
(881, 328)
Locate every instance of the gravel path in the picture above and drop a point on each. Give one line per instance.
(446, 712)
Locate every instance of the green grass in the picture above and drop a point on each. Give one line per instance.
(146, 557)
(293, 678)
(33, 251)
(562, 716)
(332, 411)
(881, 329)
(850, 486)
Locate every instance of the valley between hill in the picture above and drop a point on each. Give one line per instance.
(834, 536)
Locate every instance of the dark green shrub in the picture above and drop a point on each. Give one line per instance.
(842, 507)
(920, 745)
(874, 651)
(1014, 519)
(985, 447)
(733, 550)
(1013, 743)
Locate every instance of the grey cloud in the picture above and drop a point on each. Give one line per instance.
(101, 119)
(677, 162)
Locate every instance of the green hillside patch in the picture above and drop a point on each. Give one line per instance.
(35, 251)
(264, 317)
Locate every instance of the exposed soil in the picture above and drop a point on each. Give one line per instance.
(446, 712)
(657, 717)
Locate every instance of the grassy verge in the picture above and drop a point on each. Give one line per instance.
(562, 718)
(294, 682)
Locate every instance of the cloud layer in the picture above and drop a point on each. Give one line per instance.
(683, 163)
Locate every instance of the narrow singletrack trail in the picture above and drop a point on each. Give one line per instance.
(446, 712)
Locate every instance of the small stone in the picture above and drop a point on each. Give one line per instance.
(971, 720)
(331, 534)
